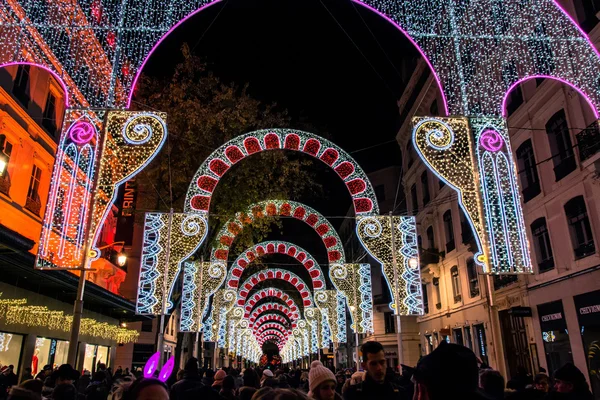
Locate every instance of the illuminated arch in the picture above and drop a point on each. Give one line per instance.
(257, 311)
(270, 292)
(275, 332)
(276, 247)
(229, 231)
(272, 325)
(272, 315)
(278, 274)
(209, 174)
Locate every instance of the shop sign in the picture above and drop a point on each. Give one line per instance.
(551, 317)
(520, 311)
(588, 308)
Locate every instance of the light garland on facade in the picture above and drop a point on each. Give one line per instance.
(17, 312)
(200, 281)
(278, 274)
(90, 167)
(216, 165)
(482, 172)
(169, 239)
(247, 256)
(332, 306)
(354, 282)
(404, 280)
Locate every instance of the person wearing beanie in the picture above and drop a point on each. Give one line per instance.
(267, 373)
(570, 381)
(374, 385)
(218, 383)
(321, 382)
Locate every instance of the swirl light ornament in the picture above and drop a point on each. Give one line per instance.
(200, 281)
(89, 169)
(375, 234)
(483, 173)
(328, 302)
(354, 282)
(313, 322)
(169, 240)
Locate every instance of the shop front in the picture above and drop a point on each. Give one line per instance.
(588, 316)
(95, 355)
(11, 345)
(555, 335)
(48, 351)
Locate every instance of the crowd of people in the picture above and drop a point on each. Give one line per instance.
(450, 372)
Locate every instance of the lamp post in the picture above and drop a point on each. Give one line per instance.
(396, 295)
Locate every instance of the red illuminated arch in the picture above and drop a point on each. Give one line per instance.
(277, 274)
(269, 292)
(268, 307)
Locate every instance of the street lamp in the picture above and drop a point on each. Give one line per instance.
(3, 162)
(121, 259)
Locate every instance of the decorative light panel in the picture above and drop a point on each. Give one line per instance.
(484, 176)
(278, 274)
(332, 306)
(354, 282)
(216, 165)
(200, 281)
(169, 239)
(215, 328)
(313, 321)
(276, 247)
(90, 166)
(476, 50)
(270, 292)
(314, 219)
(397, 252)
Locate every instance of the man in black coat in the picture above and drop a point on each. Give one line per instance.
(375, 386)
(191, 380)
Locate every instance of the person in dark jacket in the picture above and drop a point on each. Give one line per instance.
(191, 379)
(375, 385)
(570, 383)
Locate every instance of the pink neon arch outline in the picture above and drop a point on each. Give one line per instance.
(47, 69)
(521, 80)
(368, 7)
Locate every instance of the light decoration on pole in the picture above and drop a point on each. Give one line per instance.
(332, 306)
(200, 281)
(215, 330)
(482, 171)
(275, 274)
(354, 282)
(394, 250)
(216, 165)
(262, 249)
(97, 152)
(169, 240)
(283, 208)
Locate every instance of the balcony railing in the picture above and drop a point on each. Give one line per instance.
(33, 205)
(588, 141)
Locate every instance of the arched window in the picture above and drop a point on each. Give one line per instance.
(528, 175)
(455, 284)
(542, 245)
(449, 231)
(425, 188)
(579, 227)
(425, 298)
(430, 238)
(561, 146)
(473, 278)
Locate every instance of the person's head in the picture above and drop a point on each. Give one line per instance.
(47, 369)
(250, 378)
(246, 392)
(228, 383)
(99, 376)
(541, 383)
(28, 371)
(569, 379)
(146, 389)
(374, 362)
(491, 382)
(101, 366)
(321, 382)
(271, 382)
(64, 391)
(450, 371)
(191, 366)
(268, 393)
(357, 378)
(65, 375)
(33, 385)
(18, 393)
(219, 376)
(267, 373)
(341, 378)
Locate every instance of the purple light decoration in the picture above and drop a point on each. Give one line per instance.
(151, 365)
(491, 141)
(166, 371)
(82, 132)
(382, 15)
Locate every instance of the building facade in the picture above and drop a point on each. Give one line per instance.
(524, 322)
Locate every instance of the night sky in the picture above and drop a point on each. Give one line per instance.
(332, 62)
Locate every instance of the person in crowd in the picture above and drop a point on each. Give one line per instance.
(321, 382)
(570, 382)
(239, 382)
(44, 373)
(271, 382)
(294, 379)
(191, 379)
(541, 383)
(34, 386)
(492, 384)
(279, 394)
(340, 380)
(303, 382)
(98, 389)
(521, 380)
(374, 385)
(267, 373)
(282, 382)
(26, 375)
(448, 372)
(227, 391)
(209, 378)
(65, 375)
(354, 379)
(146, 389)
(84, 381)
(246, 392)
(250, 378)
(218, 383)
(64, 391)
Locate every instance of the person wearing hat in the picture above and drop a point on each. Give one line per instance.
(44, 373)
(267, 373)
(218, 383)
(449, 372)
(321, 382)
(375, 385)
(570, 381)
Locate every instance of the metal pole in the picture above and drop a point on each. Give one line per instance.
(77, 313)
(357, 345)
(160, 345)
(396, 294)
